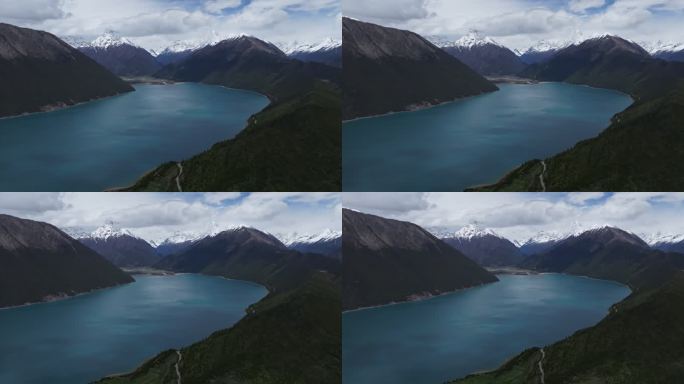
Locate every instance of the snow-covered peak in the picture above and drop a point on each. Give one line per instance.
(297, 47)
(662, 238)
(183, 46)
(182, 237)
(76, 41)
(473, 230)
(105, 232)
(661, 46)
(472, 39)
(546, 237)
(549, 45)
(297, 238)
(110, 39)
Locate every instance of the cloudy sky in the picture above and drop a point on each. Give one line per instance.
(156, 216)
(519, 216)
(521, 23)
(155, 24)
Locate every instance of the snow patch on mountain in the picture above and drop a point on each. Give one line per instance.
(661, 238)
(308, 238)
(467, 233)
(655, 47)
(297, 47)
(472, 39)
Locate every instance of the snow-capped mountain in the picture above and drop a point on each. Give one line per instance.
(661, 46)
(482, 53)
(327, 242)
(119, 246)
(328, 51)
(103, 232)
(660, 240)
(483, 245)
(542, 241)
(544, 50)
(119, 55)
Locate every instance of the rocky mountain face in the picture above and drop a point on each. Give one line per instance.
(121, 248)
(389, 70)
(484, 55)
(120, 56)
(249, 63)
(248, 254)
(610, 62)
(40, 262)
(40, 72)
(485, 247)
(605, 253)
(389, 261)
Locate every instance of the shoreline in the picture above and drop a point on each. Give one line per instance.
(417, 298)
(62, 298)
(63, 106)
(524, 272)
(531, 82)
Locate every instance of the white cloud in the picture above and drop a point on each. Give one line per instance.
(581, 6)
(155, 216)
(399, 10)
(32, 10)
(156, 24)
(519, 24)
(217, 6)
(519, 216)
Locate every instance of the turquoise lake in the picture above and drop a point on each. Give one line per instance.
(114, 141)
(451, 336)
(87, 337)
(473, 141)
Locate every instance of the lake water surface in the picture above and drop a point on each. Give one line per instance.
(114, 141)
(451, 336)
(84, 338)
(472, 141)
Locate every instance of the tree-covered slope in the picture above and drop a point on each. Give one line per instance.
(294, 145)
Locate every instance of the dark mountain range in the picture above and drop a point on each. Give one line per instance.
(248, 254)
(324, 247)
(485, 247)
(388, 261)
(249, 63)
(123, 250)
(169, 248)
(290, 146)
(123, 59)
(670, 55)
(488, 58)
(610, 62)
(639, 341)
(292, 337)
(670, 247)
(636, 153)
(39, 262)
(389, 70)
(168, 56)
(330, 56)
(537, 57)
(606, 253)
(40, 72)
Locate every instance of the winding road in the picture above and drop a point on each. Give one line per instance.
(541, 369)
(180, 357)
(541, 177)
(180, 173)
